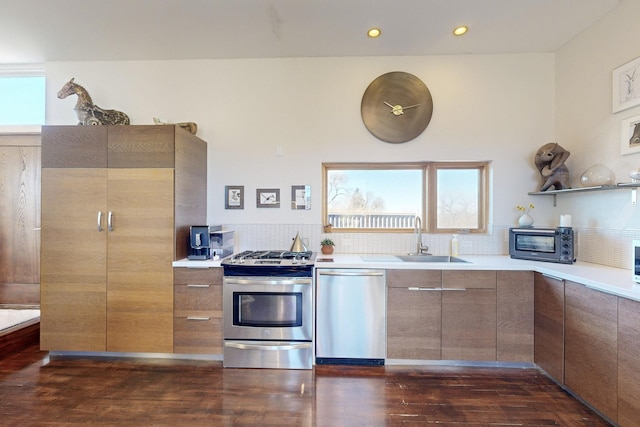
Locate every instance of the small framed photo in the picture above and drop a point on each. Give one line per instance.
(630, 135)
(300, 197)
(234, 197)
(626, 93)
(268, 197)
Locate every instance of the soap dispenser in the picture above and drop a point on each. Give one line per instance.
(455, 245)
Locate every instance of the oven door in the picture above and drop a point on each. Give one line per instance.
(268, 308)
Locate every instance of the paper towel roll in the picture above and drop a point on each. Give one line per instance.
(565, 220)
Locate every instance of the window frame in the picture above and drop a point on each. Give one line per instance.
(20, 70)
(429, 190)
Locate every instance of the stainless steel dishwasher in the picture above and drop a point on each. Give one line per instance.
(351, 320)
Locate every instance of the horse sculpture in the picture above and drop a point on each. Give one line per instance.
(89, 113)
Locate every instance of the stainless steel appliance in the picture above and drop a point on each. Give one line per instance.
(636, 261)
(544, 244)
(351, 316)
(268, 310)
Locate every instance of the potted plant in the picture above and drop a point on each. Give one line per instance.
(327, 246)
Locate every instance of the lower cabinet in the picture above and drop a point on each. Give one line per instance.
(590, 355)
(197, 322)
(414, 303)
(628, 362)
(469, 315)
(515, 295)
(549, 325)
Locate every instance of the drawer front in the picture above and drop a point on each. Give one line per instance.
(469, 279)
(197, 276)
(197, 300)
(197, 335)
(414, 278)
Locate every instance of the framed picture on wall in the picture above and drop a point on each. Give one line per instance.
(268, 197)
(626, 86)
(234, 197)
(630, 135)
(300, 197)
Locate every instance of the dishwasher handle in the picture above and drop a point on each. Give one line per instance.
(351, 273)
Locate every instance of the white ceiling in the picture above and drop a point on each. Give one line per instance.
(34, 31)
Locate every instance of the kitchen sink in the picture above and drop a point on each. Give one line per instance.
(429, 258)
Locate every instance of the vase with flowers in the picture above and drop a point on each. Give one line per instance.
(525, 219)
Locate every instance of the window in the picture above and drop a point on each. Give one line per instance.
(448, 196)
(22, 98)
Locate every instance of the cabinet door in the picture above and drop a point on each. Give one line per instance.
(414, 314)
(73, 260)
(549, 325)
(515, 316)
(468, 315)
(591, 346)
(628, 362)
(140, 247)
(197, 324)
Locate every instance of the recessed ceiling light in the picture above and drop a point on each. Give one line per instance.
(374, 32)
(458, 31)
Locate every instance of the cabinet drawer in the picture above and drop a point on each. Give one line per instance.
(197, 300)
(197, 276)
(197, 335)
(414, 278)
(468, 279)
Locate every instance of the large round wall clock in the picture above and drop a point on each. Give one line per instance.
(396, 107)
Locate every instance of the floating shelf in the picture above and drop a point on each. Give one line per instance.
(633, 186)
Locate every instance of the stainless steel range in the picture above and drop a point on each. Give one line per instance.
(268, 310)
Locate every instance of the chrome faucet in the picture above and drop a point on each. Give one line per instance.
(417, 230)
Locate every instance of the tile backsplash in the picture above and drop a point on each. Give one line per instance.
(600, 246)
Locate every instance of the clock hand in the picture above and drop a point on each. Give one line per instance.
(410, 106)
(387, 104)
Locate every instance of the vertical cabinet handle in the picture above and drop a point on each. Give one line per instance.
(100, 221)
(110, 221)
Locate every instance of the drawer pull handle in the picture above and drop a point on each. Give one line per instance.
(412, 288)
(198, 318)
(191, 285)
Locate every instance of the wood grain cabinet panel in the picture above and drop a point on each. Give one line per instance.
(414, 314)
(549, 325)
(515, 316)
(591, 327)
(469, 315)
(628, 362)
(112, 223)
(198, 310)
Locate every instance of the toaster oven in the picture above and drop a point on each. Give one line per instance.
(544, 244)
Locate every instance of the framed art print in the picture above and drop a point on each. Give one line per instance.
(626, 92)
(268, 197)
(630, 135)
(300, 197)
(234, 197)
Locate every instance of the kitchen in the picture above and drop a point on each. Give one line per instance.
(496, 106)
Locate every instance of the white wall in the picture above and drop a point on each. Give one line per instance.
(486, 107)
(587, 127)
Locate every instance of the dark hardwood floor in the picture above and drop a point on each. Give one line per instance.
(37, 391)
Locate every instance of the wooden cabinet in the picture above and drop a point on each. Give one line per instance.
(19, 219)
(549, 325)
(117, 203)
(628, 362)
(590, 349)
(414, 314)
(197, 323)
(468, 315)
(515, 316)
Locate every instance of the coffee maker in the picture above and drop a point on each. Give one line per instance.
(200, 244)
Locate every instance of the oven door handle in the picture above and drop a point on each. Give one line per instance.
(242, 346)
(268, 281)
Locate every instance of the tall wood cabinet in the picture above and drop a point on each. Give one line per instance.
(117, 203)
